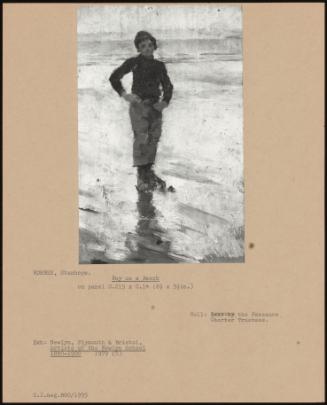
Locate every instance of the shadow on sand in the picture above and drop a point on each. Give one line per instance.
(149, 243)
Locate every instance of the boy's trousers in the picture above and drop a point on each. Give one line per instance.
(146, 124)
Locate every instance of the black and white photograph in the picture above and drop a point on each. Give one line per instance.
(160, 133)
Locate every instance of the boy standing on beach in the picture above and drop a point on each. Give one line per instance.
(146, 105)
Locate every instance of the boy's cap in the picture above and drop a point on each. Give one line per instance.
(141, 36)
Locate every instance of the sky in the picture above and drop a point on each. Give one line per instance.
(170, 20)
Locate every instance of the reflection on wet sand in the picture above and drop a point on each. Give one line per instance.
(148, 244)
(157, 227)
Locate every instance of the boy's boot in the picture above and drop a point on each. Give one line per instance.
(143, 178)
(149, 176)
(157, 181)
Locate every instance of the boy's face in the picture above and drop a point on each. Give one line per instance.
(146, 48)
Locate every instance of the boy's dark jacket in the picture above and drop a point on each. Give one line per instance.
(148, 75)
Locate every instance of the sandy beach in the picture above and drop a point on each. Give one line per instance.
(200, 154)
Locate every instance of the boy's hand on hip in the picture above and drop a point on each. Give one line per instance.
(160, 105)
(131, 98)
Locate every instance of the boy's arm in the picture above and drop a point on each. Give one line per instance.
(117, 75)
(167, 85)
